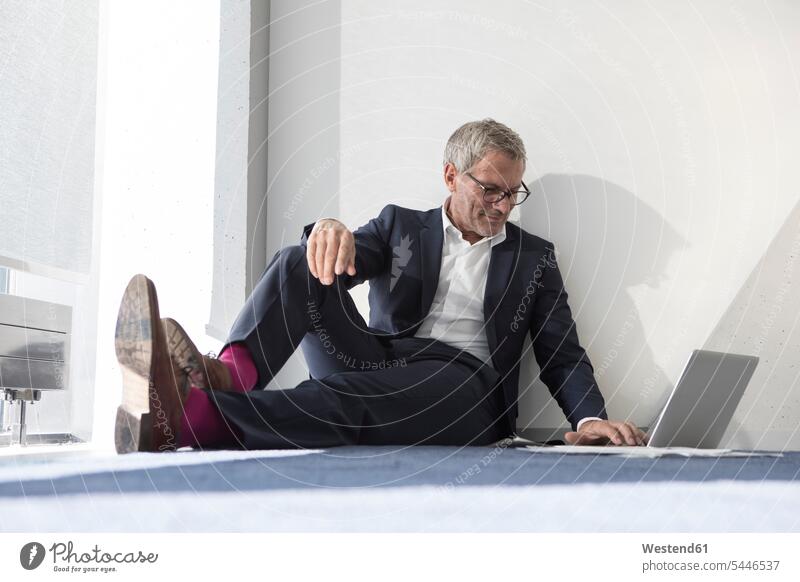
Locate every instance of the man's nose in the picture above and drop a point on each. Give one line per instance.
(503, 205)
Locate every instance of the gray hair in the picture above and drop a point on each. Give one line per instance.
(473, 140)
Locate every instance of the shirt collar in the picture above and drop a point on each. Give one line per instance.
(448, 224)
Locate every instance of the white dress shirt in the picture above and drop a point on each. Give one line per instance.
(456, 314)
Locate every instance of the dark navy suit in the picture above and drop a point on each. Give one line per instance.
(376, 383)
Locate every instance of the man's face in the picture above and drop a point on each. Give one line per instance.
(470, 214)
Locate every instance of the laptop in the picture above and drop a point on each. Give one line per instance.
(699, 408)
(703, 402)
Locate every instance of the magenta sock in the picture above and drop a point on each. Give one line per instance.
(202, 423)
(240, 363)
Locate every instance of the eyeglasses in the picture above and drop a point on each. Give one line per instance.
(493, 195)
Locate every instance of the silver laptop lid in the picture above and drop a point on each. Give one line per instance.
(702, 404)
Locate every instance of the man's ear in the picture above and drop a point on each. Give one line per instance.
(450, 174)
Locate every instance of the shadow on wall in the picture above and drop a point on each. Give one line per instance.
(607, 241)
(762, 321)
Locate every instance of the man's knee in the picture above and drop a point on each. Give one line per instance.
(289, 267)
(290, 260)
(293, 254)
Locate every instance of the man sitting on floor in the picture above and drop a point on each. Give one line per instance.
(453, 293)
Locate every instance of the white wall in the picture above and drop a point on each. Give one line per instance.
(303, 150)
(240, 187)
(230, 180)
(661, 137)
(763, 320)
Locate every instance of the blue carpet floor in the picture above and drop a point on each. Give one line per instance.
(400, 489)
(369, 467)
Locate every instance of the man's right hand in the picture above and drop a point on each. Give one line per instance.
(331, 249)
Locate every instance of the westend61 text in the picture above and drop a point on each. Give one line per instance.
(670, 549)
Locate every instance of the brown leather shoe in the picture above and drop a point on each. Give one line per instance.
(203, 371)
(153, 387)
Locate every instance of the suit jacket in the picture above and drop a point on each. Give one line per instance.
(400, 254)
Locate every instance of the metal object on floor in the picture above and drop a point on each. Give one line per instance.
(34, 356)
(21, 398)
(38, 439)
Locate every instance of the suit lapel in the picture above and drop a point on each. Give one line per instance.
(501, 266)
(431, 239)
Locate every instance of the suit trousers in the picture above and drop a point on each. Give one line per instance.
(365, 386)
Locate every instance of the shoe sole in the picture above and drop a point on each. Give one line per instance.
(148, 417)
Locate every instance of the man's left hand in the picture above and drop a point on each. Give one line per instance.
(607, 432)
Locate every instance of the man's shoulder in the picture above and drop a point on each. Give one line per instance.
(528, 241)
(410, 215)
